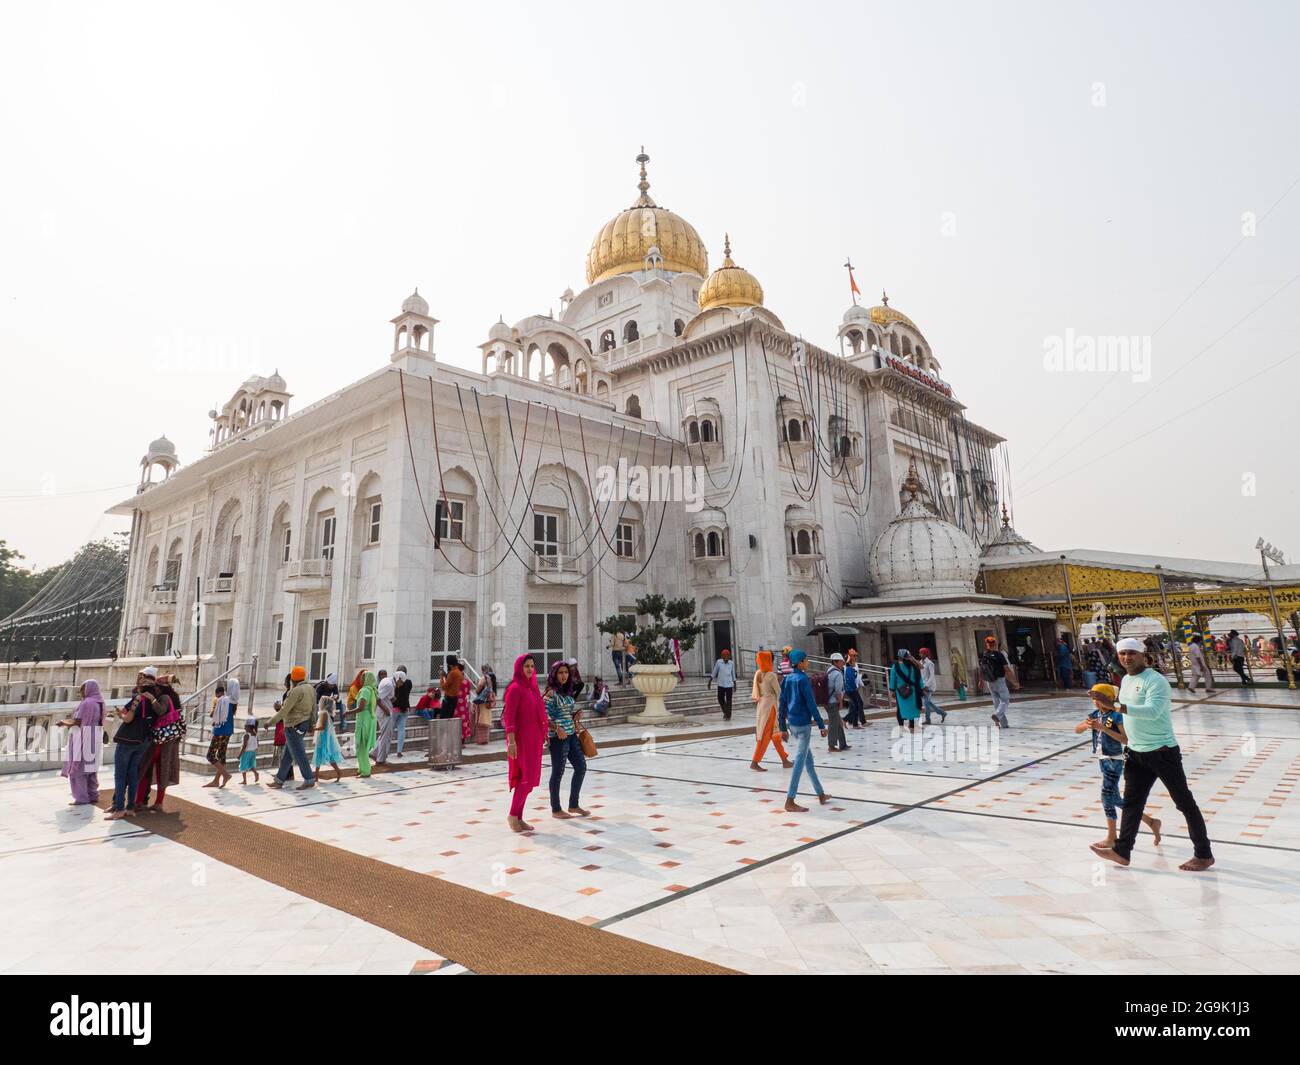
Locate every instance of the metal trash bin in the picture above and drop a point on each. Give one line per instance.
(444, 742)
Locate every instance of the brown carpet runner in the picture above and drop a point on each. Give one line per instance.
(486, 934)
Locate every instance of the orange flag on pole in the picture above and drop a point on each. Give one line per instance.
(853, 285)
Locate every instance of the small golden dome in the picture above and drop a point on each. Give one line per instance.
(624, 242)
(730, 285)
(885, 314)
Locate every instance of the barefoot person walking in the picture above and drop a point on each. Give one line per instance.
(1153, 755)
(797, 711)
(524, 719)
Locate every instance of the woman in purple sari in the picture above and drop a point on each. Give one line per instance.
(81, 761)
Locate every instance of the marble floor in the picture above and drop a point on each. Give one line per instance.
(963, 852)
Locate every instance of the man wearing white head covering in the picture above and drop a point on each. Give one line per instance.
(1153, 754)
(384, 713)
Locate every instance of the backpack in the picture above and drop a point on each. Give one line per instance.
(820, 687)
(993, 665)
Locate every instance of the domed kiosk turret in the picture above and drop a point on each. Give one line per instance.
(920, 554)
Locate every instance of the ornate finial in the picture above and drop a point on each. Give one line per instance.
(726, 250)
(912, 483)
(884, 297)
(644, 184)
(417, 290)
(1006, 521)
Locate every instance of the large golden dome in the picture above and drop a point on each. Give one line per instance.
(625, 241)
(730, 286)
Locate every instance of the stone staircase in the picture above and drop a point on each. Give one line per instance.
(691, 698)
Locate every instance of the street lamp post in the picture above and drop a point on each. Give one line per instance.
(1267, 551)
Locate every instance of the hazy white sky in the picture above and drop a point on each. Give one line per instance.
(191, 193)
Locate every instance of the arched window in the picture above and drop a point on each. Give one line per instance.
(588, 343)
(855, 341)
(633, 406)
(794, 431)
(893, 344)
(679, 327)
(715, 545)
(871, 338)
(706, 431)
(699, 545)
(803, 543)
(693, 432)
(907, 347)
(630, 333)
(607, 340)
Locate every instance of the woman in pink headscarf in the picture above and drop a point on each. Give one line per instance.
(81, 762)
(524, 719)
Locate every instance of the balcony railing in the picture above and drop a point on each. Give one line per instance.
(556, 569)
(308, 574)
(221, 586)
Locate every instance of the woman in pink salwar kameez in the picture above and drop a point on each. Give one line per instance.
(524, 719)
(81, 762)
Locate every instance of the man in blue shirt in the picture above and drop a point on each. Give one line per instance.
(796, 712)
(1153, 754)
(724, 675)
(1064, 663)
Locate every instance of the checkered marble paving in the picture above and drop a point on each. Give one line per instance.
(930, 857)
(79, 880)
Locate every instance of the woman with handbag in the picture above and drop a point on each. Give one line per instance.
(905, 683)
(565, 721)
(164, 760)
(525, 722)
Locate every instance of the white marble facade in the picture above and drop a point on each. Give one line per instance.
(310, 531)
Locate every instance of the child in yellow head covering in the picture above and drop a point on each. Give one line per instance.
(1108, 741)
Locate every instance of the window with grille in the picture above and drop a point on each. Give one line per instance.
(172, 574)
(369, 618)
(546, 640)
(376, 513)
(288, 539)
(448, 635)
(451, 519)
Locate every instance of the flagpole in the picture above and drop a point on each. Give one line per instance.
(853, 285)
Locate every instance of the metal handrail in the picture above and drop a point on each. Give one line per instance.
(196, 717)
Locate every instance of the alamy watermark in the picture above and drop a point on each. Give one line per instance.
(650, 484)
(1081, 353)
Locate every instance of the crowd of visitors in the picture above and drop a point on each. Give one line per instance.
(1132, 734)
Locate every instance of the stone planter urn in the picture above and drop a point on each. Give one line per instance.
(654, 682)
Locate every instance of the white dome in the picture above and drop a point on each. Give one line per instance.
(275, 382)
(920, 554)
(500, 331)
(856, 313)
(1008, 543)
(415, 304)
(162, 446)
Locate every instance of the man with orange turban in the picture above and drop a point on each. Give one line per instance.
(298, 712)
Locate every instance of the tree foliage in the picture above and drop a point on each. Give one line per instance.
(670, 619)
